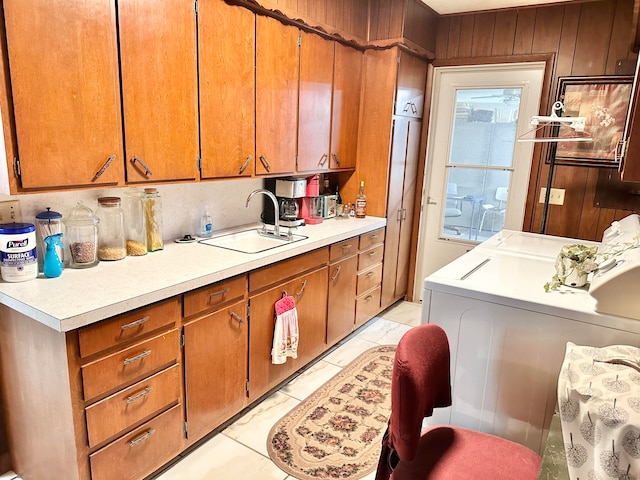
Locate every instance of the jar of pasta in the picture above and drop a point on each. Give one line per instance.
(133, 206)
(153, 219)
(111, 239)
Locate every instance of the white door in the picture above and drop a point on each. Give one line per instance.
(477, 174)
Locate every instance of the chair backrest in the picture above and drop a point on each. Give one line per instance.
(502, 193)
(452, 188)
(421, 382)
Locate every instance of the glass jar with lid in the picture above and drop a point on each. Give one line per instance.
(111, 239)
(135, 234)
(82, 237)
(153, 219)
(48, 223)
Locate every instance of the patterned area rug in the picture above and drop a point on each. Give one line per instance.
(337, 431)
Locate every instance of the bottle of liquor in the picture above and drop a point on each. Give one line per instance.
(361, 203)
(338, 197)
(326, 189)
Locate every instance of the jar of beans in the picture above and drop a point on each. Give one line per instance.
(82, 237)
(111, 238)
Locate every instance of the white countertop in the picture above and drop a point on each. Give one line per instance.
(80, 297)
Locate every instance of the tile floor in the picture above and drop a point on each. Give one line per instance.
(239, 452)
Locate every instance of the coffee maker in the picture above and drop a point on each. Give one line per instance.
(289, 192)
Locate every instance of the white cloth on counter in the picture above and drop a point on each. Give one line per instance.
(285, 331)
(599, 406)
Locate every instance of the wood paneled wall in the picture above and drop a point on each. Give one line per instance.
(586, 39)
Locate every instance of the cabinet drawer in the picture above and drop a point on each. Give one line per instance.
(142, 451)
(282, 271)
(370, 257)
(369, 279)
(372, 238)
(126, 327)
(343, 249)
(130, 364)
(367, 306)
(143, 399)
(215, 295)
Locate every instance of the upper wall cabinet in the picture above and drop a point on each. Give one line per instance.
(276, 96)
(226, 44)
(63, 61)
(159, 88)
(314, 113)
(410, 87)
(346, 107)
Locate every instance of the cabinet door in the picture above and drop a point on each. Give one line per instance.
(63, 62)
(346, 107)
(314, 111)
(342, 299)
(159, 89)
(630, 171)
(310, 294)
(410, 87)
(226, 44)
(408, 201)
(215, 368)
(276, 96)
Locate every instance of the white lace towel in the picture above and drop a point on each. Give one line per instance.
(599, 403)
(285, 331)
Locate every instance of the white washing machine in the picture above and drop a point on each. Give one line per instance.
(508, 336)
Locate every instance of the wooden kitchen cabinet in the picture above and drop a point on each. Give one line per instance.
(215, 365)
(159, 89)
(314, 110)
(347, 80)
(305, 279)
(63, 66)
(402, 192)
(276, 96)
(341, 307)
(226, 46)
(371, 248)
(388, 155)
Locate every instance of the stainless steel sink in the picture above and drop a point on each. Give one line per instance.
(251, 241)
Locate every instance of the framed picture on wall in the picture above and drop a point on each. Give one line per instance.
(604, 101)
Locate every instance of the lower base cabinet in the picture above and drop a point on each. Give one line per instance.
(126, 395)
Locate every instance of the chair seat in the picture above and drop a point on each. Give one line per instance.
(453, 453)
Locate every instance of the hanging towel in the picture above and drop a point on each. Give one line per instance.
(285, 333)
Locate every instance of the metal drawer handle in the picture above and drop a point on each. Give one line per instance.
(370, 274)
(244, 165)
(336, 158)
(129, 360)
(299, 294)
(105, 166)
(135, 323)
(371, 254)
(265, 163)
(140, 395)
(373, 237)
(237, 317)
(368, 298)
(147, 170)
(335, 275)
(347, 247)
(323, 160)
(218, 293)
(141, 438)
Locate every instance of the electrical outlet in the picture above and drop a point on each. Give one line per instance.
(10, 211)
(556, 197)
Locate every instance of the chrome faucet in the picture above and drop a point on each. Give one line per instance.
(276, 216)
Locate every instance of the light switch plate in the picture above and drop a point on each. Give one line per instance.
(10, 211)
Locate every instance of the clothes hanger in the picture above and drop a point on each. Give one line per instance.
(553, 120)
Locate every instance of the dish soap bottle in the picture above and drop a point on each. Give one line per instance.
(361, 203)
(206, 224)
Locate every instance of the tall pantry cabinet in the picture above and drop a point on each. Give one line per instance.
(388, 154)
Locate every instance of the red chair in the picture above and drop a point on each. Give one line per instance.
(420, 383)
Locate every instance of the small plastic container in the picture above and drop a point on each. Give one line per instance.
(153, 219)
(82, 237)
(111, 241)
(48, 223)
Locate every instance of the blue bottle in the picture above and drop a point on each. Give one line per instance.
(52, 266)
